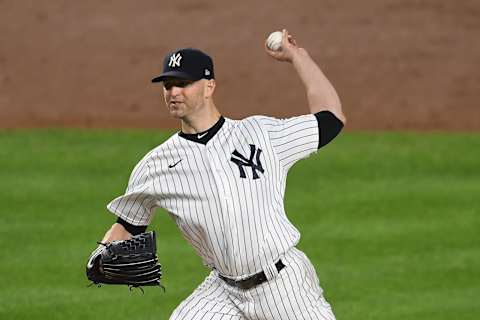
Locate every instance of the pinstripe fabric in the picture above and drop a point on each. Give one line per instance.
(292, 294)
(209, 301)
(226, 197)
(237, 225)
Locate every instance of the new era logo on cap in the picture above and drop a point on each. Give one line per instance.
(188, 63)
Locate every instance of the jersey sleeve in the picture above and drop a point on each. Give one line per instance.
(292, 139)
(138, 204)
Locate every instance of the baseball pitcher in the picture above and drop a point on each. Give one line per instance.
(223, 181)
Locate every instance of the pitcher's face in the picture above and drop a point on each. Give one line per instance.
(184, 97)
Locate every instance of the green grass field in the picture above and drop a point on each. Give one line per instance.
(390, 220)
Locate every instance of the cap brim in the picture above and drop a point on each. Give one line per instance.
(173, 74)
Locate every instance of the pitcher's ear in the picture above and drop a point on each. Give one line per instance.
(211, 84)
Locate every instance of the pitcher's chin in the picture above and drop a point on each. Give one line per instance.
(176, 113)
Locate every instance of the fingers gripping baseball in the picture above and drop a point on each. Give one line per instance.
(287, 49)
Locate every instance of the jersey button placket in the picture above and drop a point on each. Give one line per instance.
(224, 197)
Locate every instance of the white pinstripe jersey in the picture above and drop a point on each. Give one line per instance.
(236, 224)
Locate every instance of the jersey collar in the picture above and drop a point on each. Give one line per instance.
(205, 136)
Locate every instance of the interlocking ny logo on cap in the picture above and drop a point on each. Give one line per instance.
(175, 60)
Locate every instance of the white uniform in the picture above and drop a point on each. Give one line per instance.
(226, 196)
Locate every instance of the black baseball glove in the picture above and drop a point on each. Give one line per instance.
(133, 262)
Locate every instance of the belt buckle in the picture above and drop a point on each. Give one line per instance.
(243, 284)
(253, 280)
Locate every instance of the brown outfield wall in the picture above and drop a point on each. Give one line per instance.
(397, 64)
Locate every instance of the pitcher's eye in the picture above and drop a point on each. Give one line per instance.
(179, 83)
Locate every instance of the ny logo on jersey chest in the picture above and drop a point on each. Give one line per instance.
(242, 161)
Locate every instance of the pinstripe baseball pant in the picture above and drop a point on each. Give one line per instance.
(291, 294)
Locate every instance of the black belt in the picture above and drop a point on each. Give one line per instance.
(252, 281)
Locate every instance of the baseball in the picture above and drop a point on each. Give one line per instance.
(274, 41)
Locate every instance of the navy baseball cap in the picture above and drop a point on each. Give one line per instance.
(188, 64)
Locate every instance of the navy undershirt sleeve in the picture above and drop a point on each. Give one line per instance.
(329, 126)
(134, 230)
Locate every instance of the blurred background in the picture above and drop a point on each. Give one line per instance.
(397, 64)
(389, 212)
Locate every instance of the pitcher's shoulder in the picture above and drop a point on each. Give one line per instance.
(258, 120)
